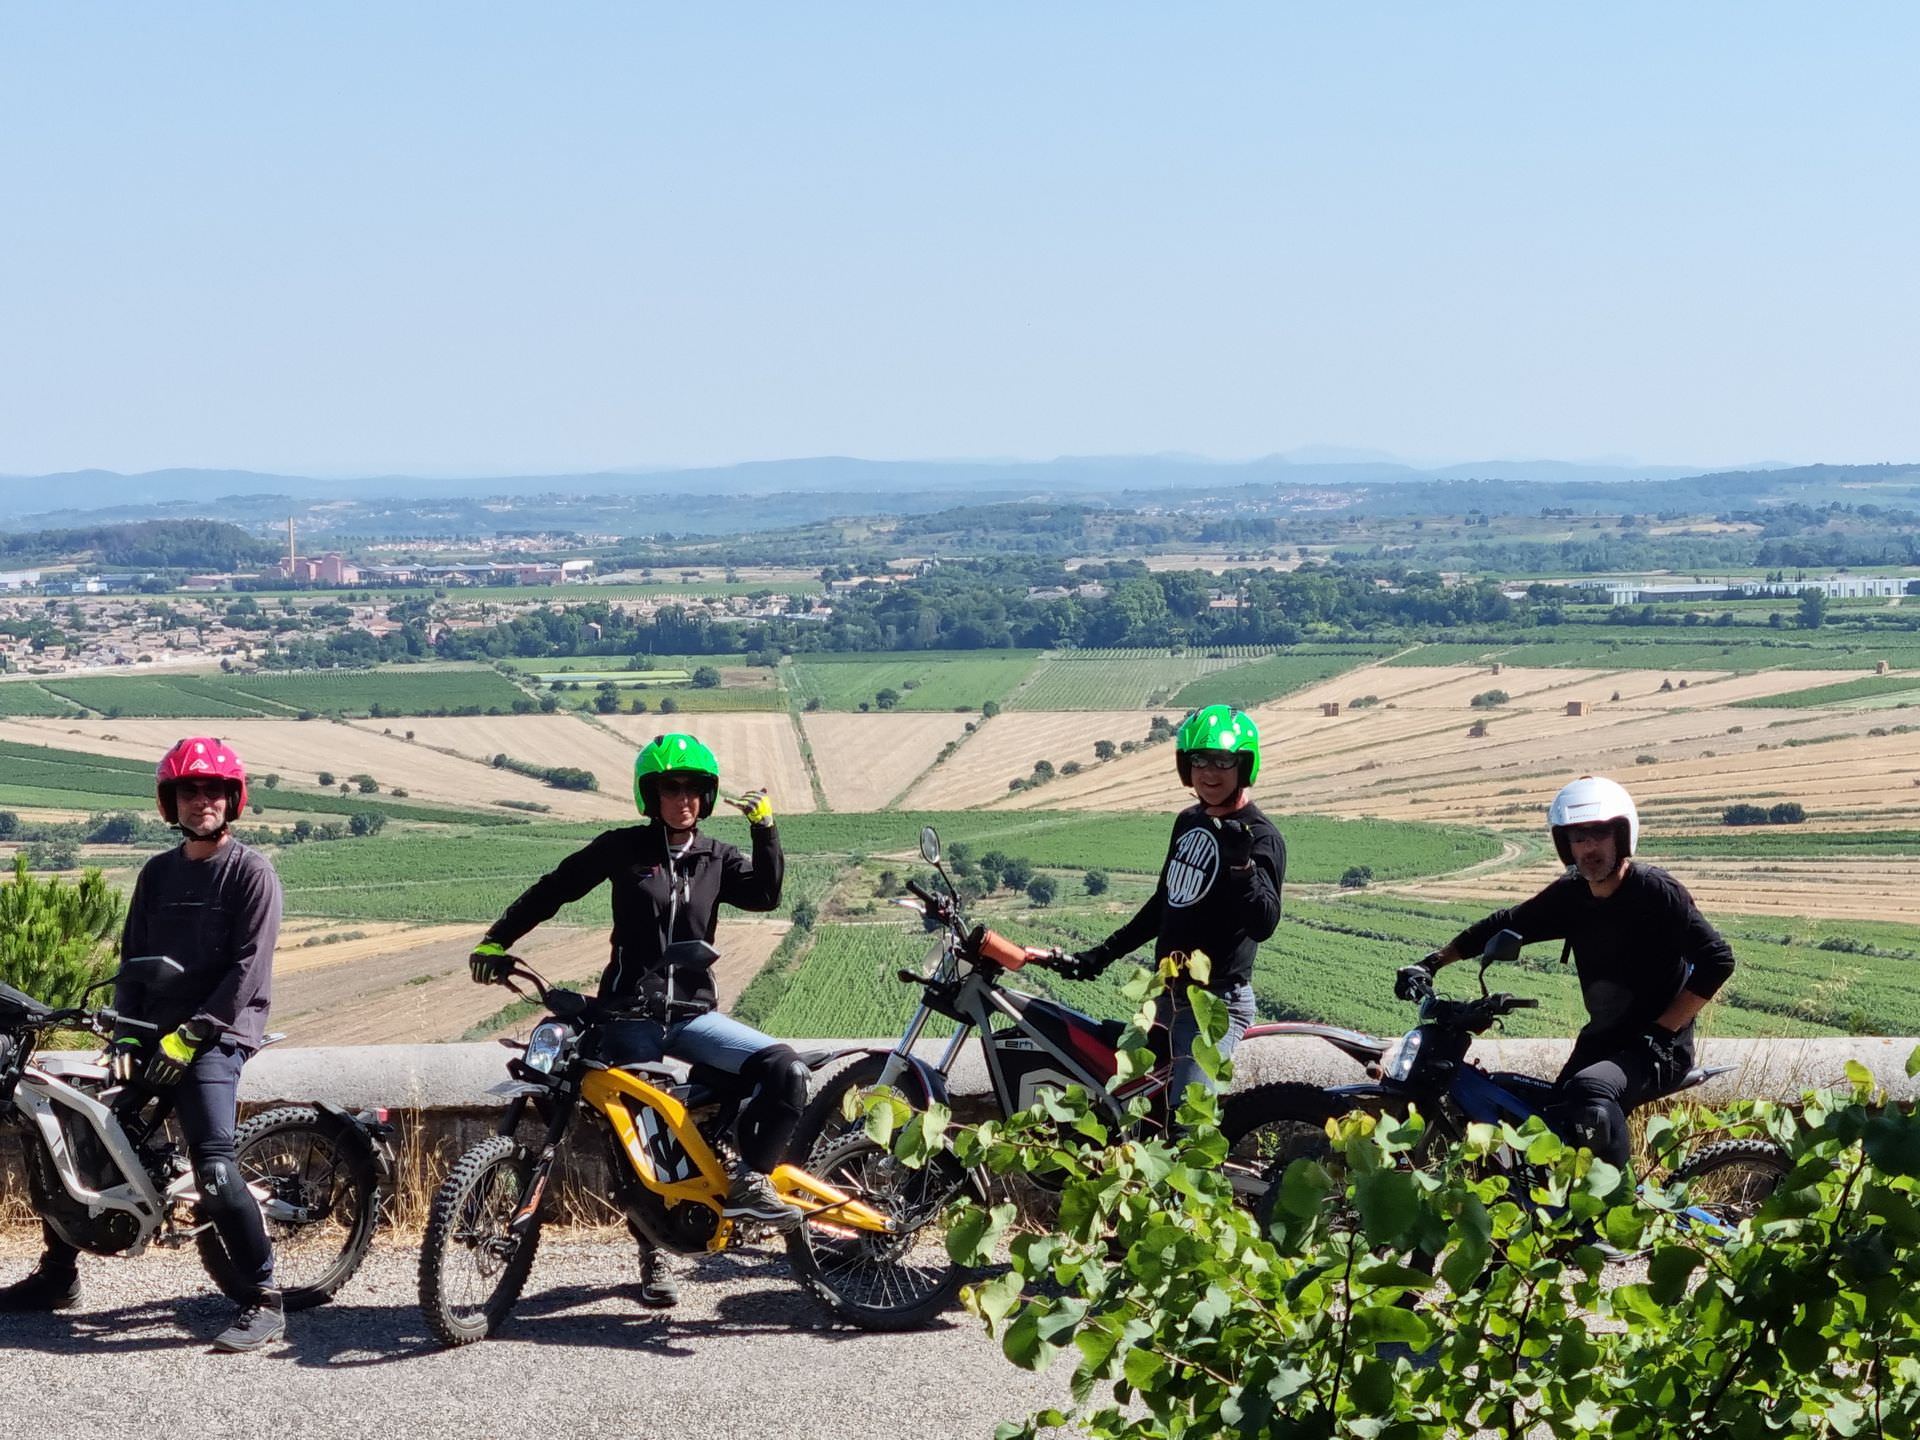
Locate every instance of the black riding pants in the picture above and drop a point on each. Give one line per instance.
(206, 1108)
(1604, 1079)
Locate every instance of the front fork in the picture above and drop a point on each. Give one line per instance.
(556, 1116)
(900, 1056)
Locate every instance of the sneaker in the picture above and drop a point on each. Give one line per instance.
(658, 1288)
(44, 1289)
(261, 1321)
(752, 1197)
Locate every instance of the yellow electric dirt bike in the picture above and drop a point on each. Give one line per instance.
(867, 1250)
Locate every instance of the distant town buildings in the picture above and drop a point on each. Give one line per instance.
(1834, 587)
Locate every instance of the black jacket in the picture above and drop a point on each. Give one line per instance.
(1635, 950)
(657, 897)
(1200, 904)
(219, 918)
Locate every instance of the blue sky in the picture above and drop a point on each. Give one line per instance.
(481, 238)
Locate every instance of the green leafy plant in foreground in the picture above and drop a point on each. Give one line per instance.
(1457, 1296)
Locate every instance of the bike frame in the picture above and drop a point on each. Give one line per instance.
(648, 1120)
(42, 1091)
(977, 996)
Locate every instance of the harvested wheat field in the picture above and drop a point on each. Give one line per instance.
(1877, 888)
(536, 739)
(408, 985)
(1410, 754)
(1006, 747)
(299, 750)
(865, 760)
(756, 748)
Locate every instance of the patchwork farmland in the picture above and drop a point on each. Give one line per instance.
(1359, 746)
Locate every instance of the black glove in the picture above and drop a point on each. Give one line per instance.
(1664, 1049)
(1083, 964)
(489, 963)
(1414, 982)
(1236, 843)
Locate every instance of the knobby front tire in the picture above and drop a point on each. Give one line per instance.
(322, 1203)
(824, 1124)
(882, 1282)
(472, 1269)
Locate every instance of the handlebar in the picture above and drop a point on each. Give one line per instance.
(915, 889)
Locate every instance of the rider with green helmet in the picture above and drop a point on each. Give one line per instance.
(1219, 889)
(668, 883)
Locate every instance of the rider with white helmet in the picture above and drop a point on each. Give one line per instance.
(1647, 958)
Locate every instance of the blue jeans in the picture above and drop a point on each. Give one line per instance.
(710, 1039)
(1178, 1016)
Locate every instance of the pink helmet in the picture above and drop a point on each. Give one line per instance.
(196, 757)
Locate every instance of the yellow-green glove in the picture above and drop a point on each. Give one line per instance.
(178, 1050)
(755, 806)
(489, 963)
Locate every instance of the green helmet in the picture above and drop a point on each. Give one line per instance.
(1218, 727)
(668, 754)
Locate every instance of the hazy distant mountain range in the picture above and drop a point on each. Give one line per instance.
(79, 491)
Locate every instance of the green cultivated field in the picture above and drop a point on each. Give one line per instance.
(1114, 679)
(1319, 849)
(686, 664)
(1334, 960)
(22, 697)
(1269, 679)
(924, 679)
(689, 700)
(1785, 842)
(449, 878)
(401, 690)
(1867, 687)
(153, 695)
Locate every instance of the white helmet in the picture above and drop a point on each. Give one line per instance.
(1594, 800)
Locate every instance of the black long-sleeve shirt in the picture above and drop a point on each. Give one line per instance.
(1201, 904)
(219, 918)
(658, 897)
(1635, 950)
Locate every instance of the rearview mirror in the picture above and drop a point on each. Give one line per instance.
(929, 844)
(146, 969)
(1503, 947)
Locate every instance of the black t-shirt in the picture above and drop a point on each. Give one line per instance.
(219, 918)
(658, 896)
(1634, 950)
(1201, 904)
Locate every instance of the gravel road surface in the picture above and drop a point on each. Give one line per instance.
(746, 1354)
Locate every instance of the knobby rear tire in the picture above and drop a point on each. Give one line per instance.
(469, 1212)
(1731, 1179)
(306, 1168)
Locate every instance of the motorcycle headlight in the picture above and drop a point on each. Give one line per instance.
(1398, 1063)
(547, 1044)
